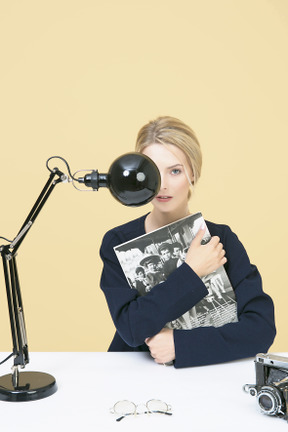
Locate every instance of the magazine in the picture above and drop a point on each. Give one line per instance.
(149, 259)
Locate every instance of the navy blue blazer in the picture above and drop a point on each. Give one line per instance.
(138, 317)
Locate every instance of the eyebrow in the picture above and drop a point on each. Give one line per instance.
(174, 166)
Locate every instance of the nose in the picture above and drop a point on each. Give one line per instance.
(163, 181)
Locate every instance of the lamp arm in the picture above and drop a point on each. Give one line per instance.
(41, 200)
(8, 253)
(16, 313)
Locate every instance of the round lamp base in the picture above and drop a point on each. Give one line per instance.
(31, 386)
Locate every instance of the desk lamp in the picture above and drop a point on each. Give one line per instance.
(133, 179)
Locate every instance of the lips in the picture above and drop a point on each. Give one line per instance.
(163, 198)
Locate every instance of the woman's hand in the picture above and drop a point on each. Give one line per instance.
(205, 259)
(161, 346)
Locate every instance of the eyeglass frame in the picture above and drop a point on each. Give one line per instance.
(168, 412)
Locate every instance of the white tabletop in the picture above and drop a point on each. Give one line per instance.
(206, 398)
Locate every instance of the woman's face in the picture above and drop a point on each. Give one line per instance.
(173, 193)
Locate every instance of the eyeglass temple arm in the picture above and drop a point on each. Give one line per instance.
(145, 412)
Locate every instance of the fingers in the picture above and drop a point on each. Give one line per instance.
(200, 234)
(205, 259)
(153, 353)
(161, 346)
(216, 244)
(215, 240)
(218, 249)
(161, 358)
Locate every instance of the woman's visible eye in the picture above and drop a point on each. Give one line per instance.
(176, 171)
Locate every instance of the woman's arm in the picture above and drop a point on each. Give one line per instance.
(253, 333)
(139, 317)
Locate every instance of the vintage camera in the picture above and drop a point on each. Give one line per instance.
(271, 388)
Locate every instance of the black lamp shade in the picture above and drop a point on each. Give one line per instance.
(133, 179)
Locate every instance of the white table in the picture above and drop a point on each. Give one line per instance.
(206, 398)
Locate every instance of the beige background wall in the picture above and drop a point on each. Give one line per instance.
(78, 78)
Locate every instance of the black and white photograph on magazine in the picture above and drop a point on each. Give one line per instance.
(149, 259)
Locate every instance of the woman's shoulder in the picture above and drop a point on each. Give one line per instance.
(227, 236)
(125, 232)
(235, 250)
(218, 229)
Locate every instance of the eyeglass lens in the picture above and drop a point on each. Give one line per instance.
(124, 407)
(157, 406)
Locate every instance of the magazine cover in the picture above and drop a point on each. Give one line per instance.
(149, 259)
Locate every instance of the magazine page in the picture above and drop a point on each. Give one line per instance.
(149, 259)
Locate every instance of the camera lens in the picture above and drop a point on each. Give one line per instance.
(266, 402)
(270, 400)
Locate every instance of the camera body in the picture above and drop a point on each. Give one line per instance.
(271, 388)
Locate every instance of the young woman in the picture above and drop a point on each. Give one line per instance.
(140, 320)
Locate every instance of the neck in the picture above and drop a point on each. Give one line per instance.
(157, 219)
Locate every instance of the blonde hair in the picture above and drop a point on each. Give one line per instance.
(170, 130)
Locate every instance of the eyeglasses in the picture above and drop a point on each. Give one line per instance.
(126, 408)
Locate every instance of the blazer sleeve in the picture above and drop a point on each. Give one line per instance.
(138, 317)
(253, 333)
